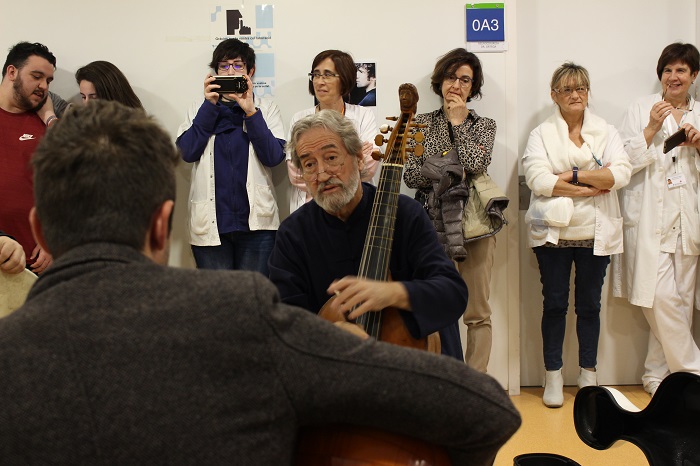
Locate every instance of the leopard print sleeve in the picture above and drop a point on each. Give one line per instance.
(474, 140)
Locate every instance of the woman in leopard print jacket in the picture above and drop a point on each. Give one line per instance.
(457, 79)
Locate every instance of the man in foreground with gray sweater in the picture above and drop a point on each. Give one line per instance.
(116, 358)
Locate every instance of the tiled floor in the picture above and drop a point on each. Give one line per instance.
(546, 430)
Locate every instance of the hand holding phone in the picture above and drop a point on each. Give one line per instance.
(231, 84)
(674, 140)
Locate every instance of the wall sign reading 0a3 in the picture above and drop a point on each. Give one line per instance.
(485, 25)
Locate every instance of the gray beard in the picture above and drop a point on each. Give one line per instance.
(335, 202)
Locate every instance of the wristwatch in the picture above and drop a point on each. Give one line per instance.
(575, 177)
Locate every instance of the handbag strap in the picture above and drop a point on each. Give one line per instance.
(451, 130)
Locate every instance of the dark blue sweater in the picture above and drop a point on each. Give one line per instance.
(231, 148)
(314, 248)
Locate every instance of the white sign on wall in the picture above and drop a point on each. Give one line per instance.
(253, 25)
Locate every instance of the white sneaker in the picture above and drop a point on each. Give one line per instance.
(587, 378)
(651, 387)
(553, 396)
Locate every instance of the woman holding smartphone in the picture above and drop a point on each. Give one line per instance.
(232, 140)
(660, 206)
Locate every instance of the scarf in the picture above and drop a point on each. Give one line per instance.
(555, 135)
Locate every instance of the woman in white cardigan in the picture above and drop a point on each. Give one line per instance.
(574, 162)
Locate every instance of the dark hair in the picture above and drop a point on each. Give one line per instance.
(447, 66)
(333, 122)
(100, 174)
(678, 52)
(230, 49)
(109, 82)
(344, 66)
(20, 53)
(369, 67)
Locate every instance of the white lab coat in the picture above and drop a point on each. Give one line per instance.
(635, 271)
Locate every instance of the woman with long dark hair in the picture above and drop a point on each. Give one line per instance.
(103, 80)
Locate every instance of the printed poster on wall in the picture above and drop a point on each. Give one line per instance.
(365, 91)
(253, 24)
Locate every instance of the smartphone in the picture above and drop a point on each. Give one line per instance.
(674, 139)
(231, 84)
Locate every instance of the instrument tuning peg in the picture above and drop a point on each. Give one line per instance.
(379, 140)
(417, 150)
(418, 137)
(376, 155)
(392, 118)
(418, 125)
(385, 129)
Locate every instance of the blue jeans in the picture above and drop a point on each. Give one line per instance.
(555, 274)
(239, 250)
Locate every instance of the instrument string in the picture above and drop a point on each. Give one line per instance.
(374, 263)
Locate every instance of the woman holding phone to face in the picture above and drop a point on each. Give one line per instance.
(660, 207)
(232, 141)
(332, 77)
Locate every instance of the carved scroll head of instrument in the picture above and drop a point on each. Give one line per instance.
(408, 97)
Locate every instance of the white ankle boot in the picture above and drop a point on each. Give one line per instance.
(553, 389)
(587, 378)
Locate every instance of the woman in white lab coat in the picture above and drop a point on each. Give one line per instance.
(661, 223)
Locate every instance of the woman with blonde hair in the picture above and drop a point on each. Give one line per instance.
(574, 163)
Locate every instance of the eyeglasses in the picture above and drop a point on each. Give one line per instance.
(464, 81)
(332, 162)
(237, 65)
(567, 91)
(324, 76)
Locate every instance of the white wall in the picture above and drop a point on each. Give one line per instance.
(163, 48)
(619, 42)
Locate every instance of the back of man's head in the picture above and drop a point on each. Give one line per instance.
(100, 174)
(20, 53)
